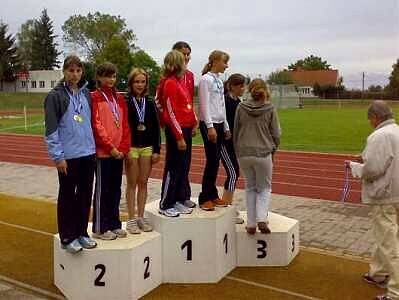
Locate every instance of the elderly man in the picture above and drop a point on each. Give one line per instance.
(379, 172)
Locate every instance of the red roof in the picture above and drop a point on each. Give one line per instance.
(309, 78)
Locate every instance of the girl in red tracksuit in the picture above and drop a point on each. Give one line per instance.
(179, 120)
(112, 137)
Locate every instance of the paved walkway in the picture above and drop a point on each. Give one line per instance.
(326, 225)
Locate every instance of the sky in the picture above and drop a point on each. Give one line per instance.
(261, 36)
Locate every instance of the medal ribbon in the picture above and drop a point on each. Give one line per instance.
(219, 83)
(140, 111)
(345, 189)
(113, 106)
(76, 101)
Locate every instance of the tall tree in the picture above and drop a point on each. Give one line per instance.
(44, 48)
(91, 33)
(280, 77)
(24, 41)
(9, 60)
(393, 85)
(310, 63)
(140, 59)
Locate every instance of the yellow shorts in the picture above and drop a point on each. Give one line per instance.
(137, 152)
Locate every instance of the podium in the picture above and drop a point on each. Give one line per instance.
(196, 248)
(121, 269)
(276, 249)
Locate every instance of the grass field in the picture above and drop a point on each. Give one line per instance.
(322, 126)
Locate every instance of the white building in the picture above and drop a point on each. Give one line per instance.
(41, 81)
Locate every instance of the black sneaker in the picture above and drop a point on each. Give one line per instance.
(380, 283)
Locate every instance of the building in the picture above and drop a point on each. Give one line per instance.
(41, 81)
(305, 80)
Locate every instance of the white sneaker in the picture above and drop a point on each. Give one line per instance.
(120, 233)
(170, 212)
(190, 204)
(183, 209)
(144, 224)
(133, 227)
(107, 236)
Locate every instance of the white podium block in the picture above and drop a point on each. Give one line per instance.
(125, 268)
(276, 249)
(196, 248)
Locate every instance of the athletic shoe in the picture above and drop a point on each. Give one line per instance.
(263, 228)
(144, 224)
(251, 230)
(239, 220)
(106, 236)
(87, 242)
(190, 204)
(220, 202)
(73, 247)
(382, 283)
(132, 227)
(383, 297)
(120, 233)
(183, 209)
(169, 212)
(207, 205)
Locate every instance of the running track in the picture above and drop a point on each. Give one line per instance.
(311, 175)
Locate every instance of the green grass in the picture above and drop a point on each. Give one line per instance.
(16, 101)
(323, 126)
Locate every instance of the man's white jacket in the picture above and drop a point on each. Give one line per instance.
(380, 168)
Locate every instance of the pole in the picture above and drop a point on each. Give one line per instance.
(363, 85)
(26, 123)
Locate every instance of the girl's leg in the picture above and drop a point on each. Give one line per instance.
(145, 167)
(250, 192)
(132, 173)
(263, 169)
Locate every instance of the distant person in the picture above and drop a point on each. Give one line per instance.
(256, 138)
(70, 144)
(188, 81)
(112, 136)
(379, 171)
(145, 148)
(234, 89)
(213, 126)
(179, 120)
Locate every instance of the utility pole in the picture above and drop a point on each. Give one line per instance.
(363, 85)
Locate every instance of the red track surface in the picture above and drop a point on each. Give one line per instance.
(312, 175)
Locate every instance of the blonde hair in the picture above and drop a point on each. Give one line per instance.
(214, 56)
(133, 73)
(173, 64)
(259, 90)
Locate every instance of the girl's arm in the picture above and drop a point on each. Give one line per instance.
(204, 98)
(170, 93)
(124, 146)
(100, 133)
(156, 138)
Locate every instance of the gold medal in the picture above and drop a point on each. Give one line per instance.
(141, 127)
(78, 118)
(189, 106)
(117, 124)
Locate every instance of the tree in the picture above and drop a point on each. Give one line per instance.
(393, 85)
(375, 88)
(25, 38)
(280, 77)
(44, 49)
(91, 33)
(310, 63)
(9, 60)
(140, 59)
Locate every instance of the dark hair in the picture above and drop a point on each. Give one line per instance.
(180, 45)
(106, 69)
(72, 60)
(234, 80)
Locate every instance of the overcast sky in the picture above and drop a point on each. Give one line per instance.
(354, 36)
